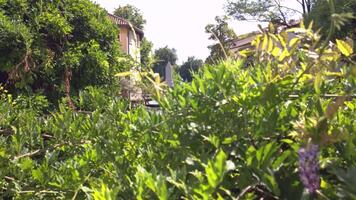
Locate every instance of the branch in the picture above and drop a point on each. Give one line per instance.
(303, 5)
(280, 11)
(221, 46)
(30, 154)
(8, 178)
(245, 191)
(39, 192)
(81, 185)
(67, 79)
(295, 10)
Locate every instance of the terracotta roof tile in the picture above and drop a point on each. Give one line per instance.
(123, 22)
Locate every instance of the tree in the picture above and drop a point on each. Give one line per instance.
(321, 17)
(132, 14)
(222, 34)
(269, 10)
(162, 57)
(145, 52)
(191, 65)
(56, 46)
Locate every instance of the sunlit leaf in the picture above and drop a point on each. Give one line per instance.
(123, 74)
(344, 47)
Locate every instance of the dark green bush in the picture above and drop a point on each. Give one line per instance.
(40, 41)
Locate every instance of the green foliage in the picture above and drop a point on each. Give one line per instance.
(320, 15)
(222, 34)
(132, 14)
(274, 11)
(162, 56)
(41, 40)
(146, 52)
(188, 67)
(232, 133)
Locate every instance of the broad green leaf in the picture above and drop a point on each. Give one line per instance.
(216, 169)
(2, 152)
(38, 175)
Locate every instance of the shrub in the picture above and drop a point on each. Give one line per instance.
(232, 133)
(57, 46)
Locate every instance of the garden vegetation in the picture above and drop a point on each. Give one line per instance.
(282, 128)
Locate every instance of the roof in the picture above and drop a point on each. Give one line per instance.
(123, 22)
(244, 41)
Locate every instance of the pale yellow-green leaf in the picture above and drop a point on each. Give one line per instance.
(284, 54)
(330, 56)
(122, 59)
(304, 66)
(244, 53)
(318, 82)
(157, 78)
(344, 47)
(340, 74)
(293, 41)
(2, 152)
(276, 51)
(123, 74)
(297, 30)
(302, 24)
(256, 42)
(282, 41)
(324, 184)
(265, 42)
(270, 45)
(293, 134)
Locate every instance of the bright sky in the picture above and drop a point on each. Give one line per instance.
(180, 24)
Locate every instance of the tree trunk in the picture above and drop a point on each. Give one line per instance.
(67, 78)
(304, 9)
(308, 5)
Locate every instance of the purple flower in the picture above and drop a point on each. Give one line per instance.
(309, 167)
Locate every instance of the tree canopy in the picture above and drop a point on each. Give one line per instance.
(132, 14)
(269, 10)
(278, 12)
(191, 65)
(162, 56)
(145, 52)
(321, 17)
(52, 45)
(222, 34)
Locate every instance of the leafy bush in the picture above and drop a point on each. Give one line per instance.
(232, 133)
(52, 45)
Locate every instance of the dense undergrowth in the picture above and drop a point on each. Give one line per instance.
(233, 133)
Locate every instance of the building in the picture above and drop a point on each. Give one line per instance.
(244, 41)
(130, 37)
